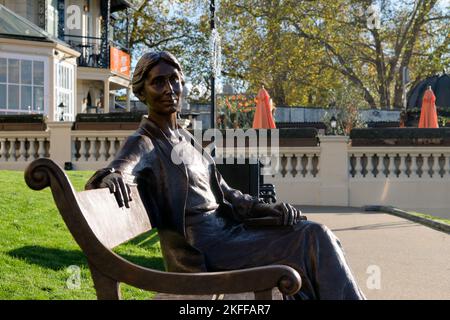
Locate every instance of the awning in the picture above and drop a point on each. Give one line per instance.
(16, 27)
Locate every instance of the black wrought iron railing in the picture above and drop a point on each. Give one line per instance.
(93, 53)
(90, 49)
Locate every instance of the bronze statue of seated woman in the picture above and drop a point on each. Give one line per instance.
(203, 224)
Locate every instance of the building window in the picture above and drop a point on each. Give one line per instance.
(22, 83)
(65, 90)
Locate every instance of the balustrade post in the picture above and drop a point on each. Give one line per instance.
(447, 164)
(435, 164)
(3, 150)
(102, 150)
(358, 165)
(91, 153)
(414, 167)
(22, 150)
(289, 167)
(309, 165)
(390, 170)
(82, 151)
(32, 150)
(402, 166)
(370, 167)
(427, 168)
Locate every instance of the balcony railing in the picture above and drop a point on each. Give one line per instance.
(92, 54)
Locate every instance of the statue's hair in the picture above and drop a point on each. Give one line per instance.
(145, 64)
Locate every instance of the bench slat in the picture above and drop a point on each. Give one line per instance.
(113, 225)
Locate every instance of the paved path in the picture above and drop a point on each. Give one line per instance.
(413, 260)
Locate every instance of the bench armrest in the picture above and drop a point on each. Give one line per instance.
(257, 279)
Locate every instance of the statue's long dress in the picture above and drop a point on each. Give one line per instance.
(310, 248)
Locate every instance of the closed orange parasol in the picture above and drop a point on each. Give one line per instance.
(263, 115)
(428, 114)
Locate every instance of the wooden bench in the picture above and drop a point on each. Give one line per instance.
(98, 225)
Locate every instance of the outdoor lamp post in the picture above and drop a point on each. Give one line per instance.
(212, 8)
(333, 124)
(62, 106)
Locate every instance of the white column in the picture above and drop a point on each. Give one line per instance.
(106, 96)
(128, 99)
(334, 175)
(60, 142)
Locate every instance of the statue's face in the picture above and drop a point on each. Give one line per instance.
(163, 88)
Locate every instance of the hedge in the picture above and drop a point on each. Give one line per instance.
(110, 117)
(22, 118)
(400, 133)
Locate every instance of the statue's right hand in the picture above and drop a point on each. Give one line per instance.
(114, 181)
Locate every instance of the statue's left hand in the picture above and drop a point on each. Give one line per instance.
(289, 215)
(282, 214)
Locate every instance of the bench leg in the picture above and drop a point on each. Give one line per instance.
(106, 288)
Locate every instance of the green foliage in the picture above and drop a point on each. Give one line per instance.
(302, 50)
(236, 111)
(345, 108)
(36, 248)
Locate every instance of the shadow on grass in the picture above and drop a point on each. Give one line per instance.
(57, 259)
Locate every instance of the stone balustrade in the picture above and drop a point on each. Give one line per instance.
(17, 150)
(331, 173)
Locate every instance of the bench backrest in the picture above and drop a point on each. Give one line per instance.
(92, 216)
(111, 224)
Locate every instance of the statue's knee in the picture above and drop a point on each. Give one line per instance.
(317, 228)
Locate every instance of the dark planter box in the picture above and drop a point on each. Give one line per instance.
(400, 137)
(298, 137)
(25, 122)
(105, 126)
(108, 121)
(22, 127)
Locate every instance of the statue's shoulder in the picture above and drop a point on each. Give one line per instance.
(138, 142)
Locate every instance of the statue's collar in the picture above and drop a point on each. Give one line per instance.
(152, 128)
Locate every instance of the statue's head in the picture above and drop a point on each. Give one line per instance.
(158, 81)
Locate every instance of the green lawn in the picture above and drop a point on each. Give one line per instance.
(429, 216)
(36, 248)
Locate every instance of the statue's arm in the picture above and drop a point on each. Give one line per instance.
(251, 211)
(118, 174)
(242, 203)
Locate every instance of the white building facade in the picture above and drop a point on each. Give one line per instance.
(58, 57)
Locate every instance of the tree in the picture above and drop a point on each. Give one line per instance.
(178, 26)
(343, 37)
